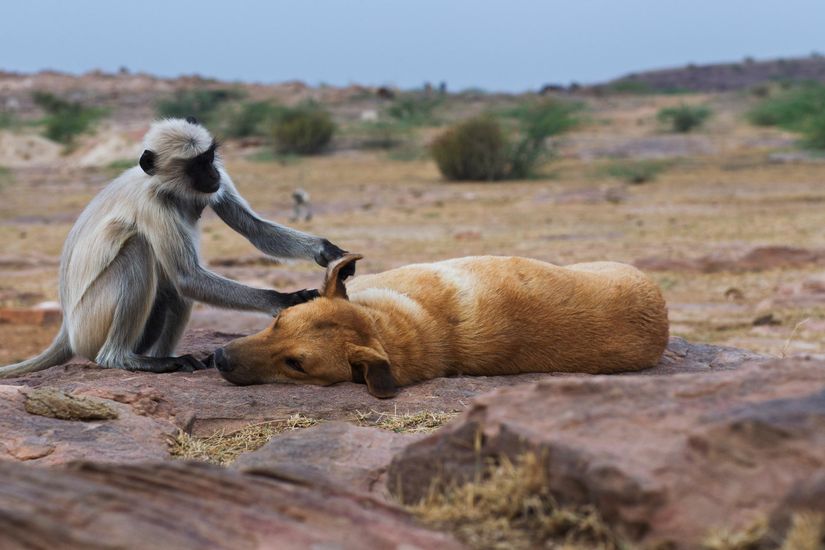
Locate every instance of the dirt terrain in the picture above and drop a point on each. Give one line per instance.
(729, 189)
(730, 229)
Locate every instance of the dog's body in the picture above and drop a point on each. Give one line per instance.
(477, 315)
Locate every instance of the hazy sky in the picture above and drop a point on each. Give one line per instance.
(497, 45)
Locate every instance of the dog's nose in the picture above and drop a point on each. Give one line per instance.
(221, 360)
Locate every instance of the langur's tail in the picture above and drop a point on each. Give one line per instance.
(57, 353)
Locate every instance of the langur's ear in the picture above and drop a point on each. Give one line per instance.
(371, 366)
(147, 162)
(337, 271)
(192, 120)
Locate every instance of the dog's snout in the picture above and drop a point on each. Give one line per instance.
(221, 360)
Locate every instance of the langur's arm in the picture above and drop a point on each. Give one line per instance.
(179, 258)
(270, 238)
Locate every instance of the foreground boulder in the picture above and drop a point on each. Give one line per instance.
(191, 505)
(662, 458)
(332, 453)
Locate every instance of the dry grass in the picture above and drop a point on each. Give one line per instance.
(420, 422)
(749, 538)
(223, 448)
(511, 507)
(807, 532)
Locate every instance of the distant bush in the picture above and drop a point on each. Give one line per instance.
(414, 110)
(684, 118)
(537, 122)
(382, 134)
(798, 109)
(476, 149)
(7, 120)
(202, 104)
(635, 172)
(813, 136)
(65, 120)
(5, 176)
(253, 118)
(630, 87)
(479, 149)
(303, 130)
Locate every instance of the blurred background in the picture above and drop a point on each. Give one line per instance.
(686, 139)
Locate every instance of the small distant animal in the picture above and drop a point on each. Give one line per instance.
(130, 270)
(484, 315)
(385, 93)
(301, 207)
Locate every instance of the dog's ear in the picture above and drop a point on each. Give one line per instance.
(371, 366)
(337, 271)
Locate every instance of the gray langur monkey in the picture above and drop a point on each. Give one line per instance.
(130, 271)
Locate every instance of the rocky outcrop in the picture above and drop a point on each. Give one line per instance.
(192, 506)
(663, 458)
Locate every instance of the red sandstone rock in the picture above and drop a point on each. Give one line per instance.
(192, 506)
(663, 458)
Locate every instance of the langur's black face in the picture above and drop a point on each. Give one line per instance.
(202, 173)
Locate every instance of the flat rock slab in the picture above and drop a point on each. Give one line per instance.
(663, 458)
(335, 453)
(192, 506)
(203, 402)
(46, 440)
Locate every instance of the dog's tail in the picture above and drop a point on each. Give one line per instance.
(58, 352)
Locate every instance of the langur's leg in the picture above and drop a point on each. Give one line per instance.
(129, 286)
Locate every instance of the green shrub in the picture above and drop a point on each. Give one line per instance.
(684, 118)
(635, 172)
(5, 176)
(479, 149)
(813, 135)
(202, 104)
(798, 109)
(7, 120)
(476, 149)
(65, 120)
(414, 110)
(790, 109)
(253, 118)
(303, 130)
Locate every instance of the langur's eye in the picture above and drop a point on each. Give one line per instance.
(294, 364)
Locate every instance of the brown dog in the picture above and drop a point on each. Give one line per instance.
(483, 315)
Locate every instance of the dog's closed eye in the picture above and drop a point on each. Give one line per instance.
(294, 364)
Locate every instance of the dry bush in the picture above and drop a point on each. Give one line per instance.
(420, 422)
(303, 130)
(511, 507)
(475, 150)
(807, 532)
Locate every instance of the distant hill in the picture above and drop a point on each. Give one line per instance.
(722, 77)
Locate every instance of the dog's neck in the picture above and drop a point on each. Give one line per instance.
(414, 340)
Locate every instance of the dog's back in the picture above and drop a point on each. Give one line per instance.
(500, 315)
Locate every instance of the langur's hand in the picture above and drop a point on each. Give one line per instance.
(301, 296)
(328, 253)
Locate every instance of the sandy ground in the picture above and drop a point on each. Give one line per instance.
(727, 196)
